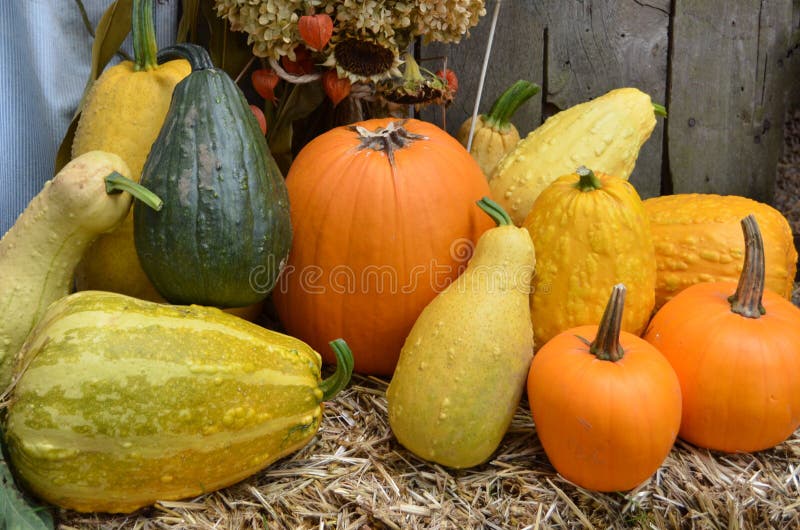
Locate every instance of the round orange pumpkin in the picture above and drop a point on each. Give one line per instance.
(384, 215)
(606, 404)
(736, 350)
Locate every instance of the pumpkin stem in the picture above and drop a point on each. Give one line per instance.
(509, 101)
(588, 180)
(389, 139)
(145, 48)
(117, 183)
(344, 370)
(746, 301)
(495, 211)
(606, 344)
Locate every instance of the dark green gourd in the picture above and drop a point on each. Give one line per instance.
(224, 232)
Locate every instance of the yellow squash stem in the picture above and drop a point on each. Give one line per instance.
(588, 180)
(746, 301)
(145, 47)
(344, 370)
(117, 183)
(506, 105)
(606, 344)
(495, 211)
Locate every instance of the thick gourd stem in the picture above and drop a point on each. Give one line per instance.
(389, 139)
(117, 183)
(344, 370)
(145, 48)
(509, 101)
(746, 301)
(588, 180)
(495, 211)
(196, 55)
(606, 344)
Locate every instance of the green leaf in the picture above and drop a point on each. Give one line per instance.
(15, 511)
(111, 31)
(187, 27)
(297, 103)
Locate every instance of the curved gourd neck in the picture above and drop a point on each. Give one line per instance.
(506, 105)
(339, 380)
(197, 56)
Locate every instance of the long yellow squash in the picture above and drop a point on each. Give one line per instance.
(123, 114)
(604, 134)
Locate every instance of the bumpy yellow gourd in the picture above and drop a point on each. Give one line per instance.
(590, 232)
(698, 238)
(604, 134)
(494, 135)
(123, 114)
(464, 364)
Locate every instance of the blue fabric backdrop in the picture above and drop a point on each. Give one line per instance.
(45, 55)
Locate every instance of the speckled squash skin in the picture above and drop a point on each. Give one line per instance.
(586, 242)
(464, 364)
(122, 402)
(604, 134)
(698, 239)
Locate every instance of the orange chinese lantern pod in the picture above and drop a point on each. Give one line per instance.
(264, 81)
(302, 64)
(606, 404)
(315, 30)
(736, 350)
(260, 118)
(384, 216)
(450, 78)
(336, 88)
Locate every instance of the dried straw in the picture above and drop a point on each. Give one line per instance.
(354, 475)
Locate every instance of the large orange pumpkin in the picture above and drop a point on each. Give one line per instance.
(736, 350)
(606, 404)
(384, 215)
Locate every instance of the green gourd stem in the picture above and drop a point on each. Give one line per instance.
(509, 101)
(588, 180)
(145, 47)
(344, 370)
(196, 55)
(606, 344)
(660, 110)
(495, 211)
(117, 183)
(746, 301)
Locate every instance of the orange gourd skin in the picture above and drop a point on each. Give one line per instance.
(376, 240)
(604, 425)
(698, 239)
(740, 376)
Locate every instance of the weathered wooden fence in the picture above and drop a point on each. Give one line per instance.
(725, 70)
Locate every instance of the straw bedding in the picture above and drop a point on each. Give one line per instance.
(354, 475)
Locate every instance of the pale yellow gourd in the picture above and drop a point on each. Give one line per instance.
(604, 134)
(464, 364)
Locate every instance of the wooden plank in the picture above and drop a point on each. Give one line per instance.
(596, 46)
(727, 98)
(576, 50)
(517, 53)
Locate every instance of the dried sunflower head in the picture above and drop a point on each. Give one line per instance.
(364, 58)
(416, 87)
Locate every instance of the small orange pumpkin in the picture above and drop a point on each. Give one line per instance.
(384, 216)
(737, 357)
(606, 404)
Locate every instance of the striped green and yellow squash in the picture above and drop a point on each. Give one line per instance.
(121, 402)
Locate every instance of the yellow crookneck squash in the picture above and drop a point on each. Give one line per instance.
(590, 232)
(123, 113)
